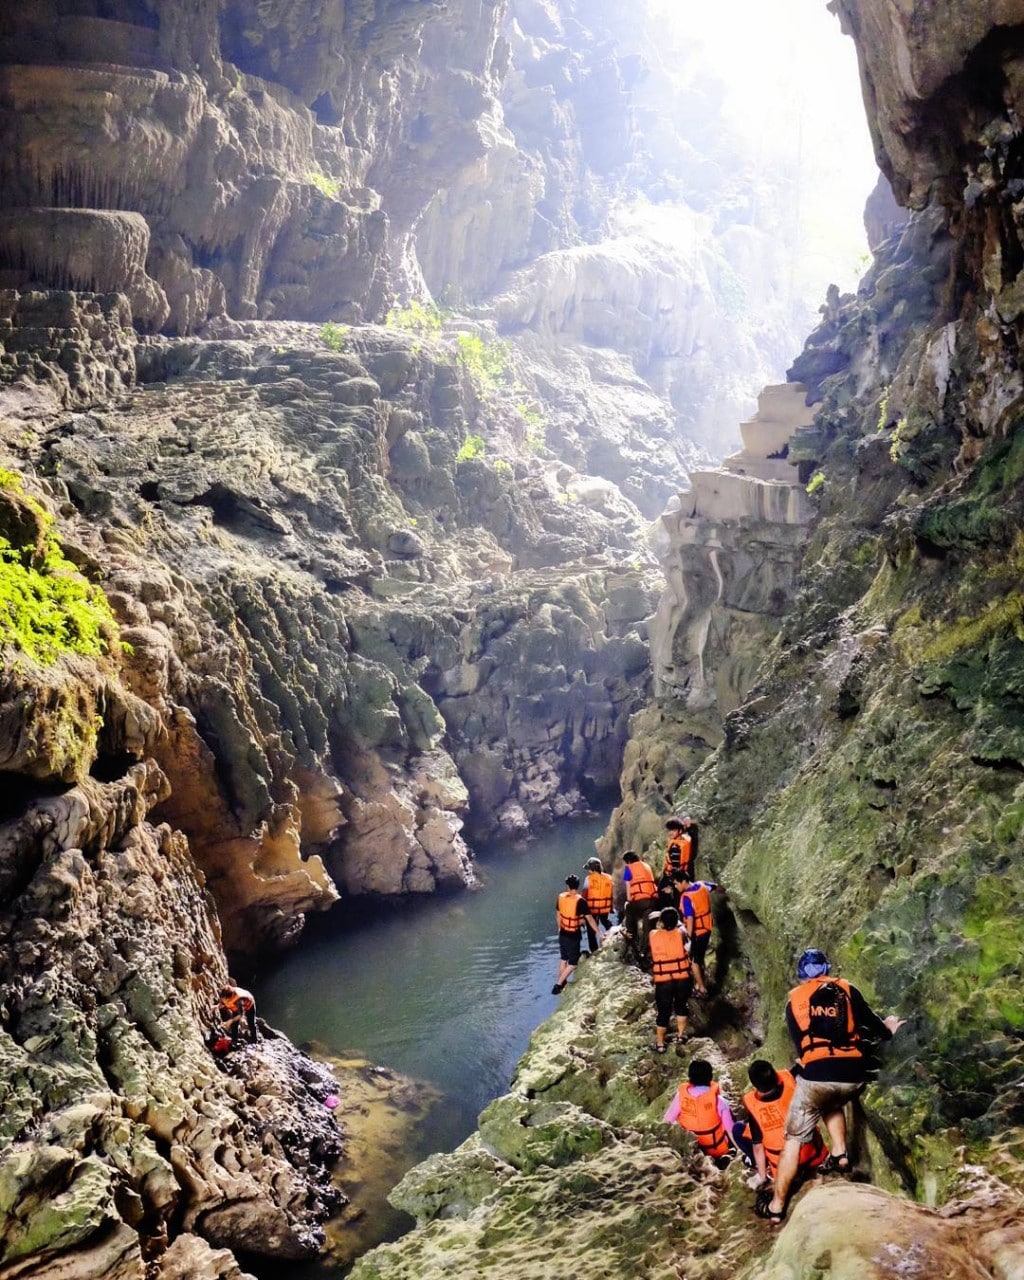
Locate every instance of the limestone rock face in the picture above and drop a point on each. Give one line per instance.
(118, 1127)
(214, 163)
(872, 769)
(344, 641)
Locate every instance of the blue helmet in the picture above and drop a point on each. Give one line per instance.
(812, 964)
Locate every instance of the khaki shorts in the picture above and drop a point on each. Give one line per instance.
(813, 1100)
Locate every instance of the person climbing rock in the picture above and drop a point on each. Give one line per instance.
(597, 890)
(571, 913)
(695, 904)
(235, 1007)
(767, 1104)
(641, 895)
(673, 977)
(829, 1021)
(679, 851)
(700, 1108)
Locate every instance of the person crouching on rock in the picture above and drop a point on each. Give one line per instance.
(236, 1007)
(597, 890)
(673, 976)
(571, 913)
(700, 1109)
(767, 1105)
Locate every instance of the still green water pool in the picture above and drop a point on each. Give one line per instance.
(446, 990)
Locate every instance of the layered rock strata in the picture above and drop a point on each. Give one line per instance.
(317, 596)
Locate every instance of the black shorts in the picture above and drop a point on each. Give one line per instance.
(699, 948)
(670, 998)
(569, 946)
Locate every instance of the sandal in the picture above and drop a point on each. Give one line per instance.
(658, 1048)
(763, 1209)
(836, 1164)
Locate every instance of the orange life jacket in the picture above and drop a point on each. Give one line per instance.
(700, 897)
(669, 954)
(599, 893)
(813, 1048)
(237, 1001)
(683, 845)
(700, 1116)
(771, 1116)
(568, 920)
(640, 887)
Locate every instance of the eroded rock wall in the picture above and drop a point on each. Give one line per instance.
(210, 161)
(866, 793)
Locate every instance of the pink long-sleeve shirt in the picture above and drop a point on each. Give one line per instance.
(671, 1116)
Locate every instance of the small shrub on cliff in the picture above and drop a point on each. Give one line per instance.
(816, 483)
(330, 187)
(333, 335)
(472, 447)
(46, 607)
(417, 318)
(484, 361)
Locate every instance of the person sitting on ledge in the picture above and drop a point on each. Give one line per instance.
(700, 1108)
(236, 1006)
(767, 1104)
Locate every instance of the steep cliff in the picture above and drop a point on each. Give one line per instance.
(864, 794)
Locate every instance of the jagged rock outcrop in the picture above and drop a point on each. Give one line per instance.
(119, 1129)
(213, 163)
(730, 548)
(576, 1157)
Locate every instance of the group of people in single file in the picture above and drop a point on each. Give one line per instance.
(667, 923)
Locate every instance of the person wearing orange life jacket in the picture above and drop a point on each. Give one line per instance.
(598, 892)
(571, 913)
(673, 977)
(235, 1005)
(695, 904)
(699, 1107)
(828, 1020)
(641, 897)
(767, 1104)
(680, 849)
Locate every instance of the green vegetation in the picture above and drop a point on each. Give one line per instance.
(485, 361)
(816, 482)
(46, 607)
(502, 468)
(330, 187)
(333, 335)
(998, 617)
(417, 318)
(472, 447)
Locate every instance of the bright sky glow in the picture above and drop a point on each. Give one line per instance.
(792, 87)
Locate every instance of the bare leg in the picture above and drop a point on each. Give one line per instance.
(699, 985)
(789, 1162)
(835, 1123)
(681, 1028)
